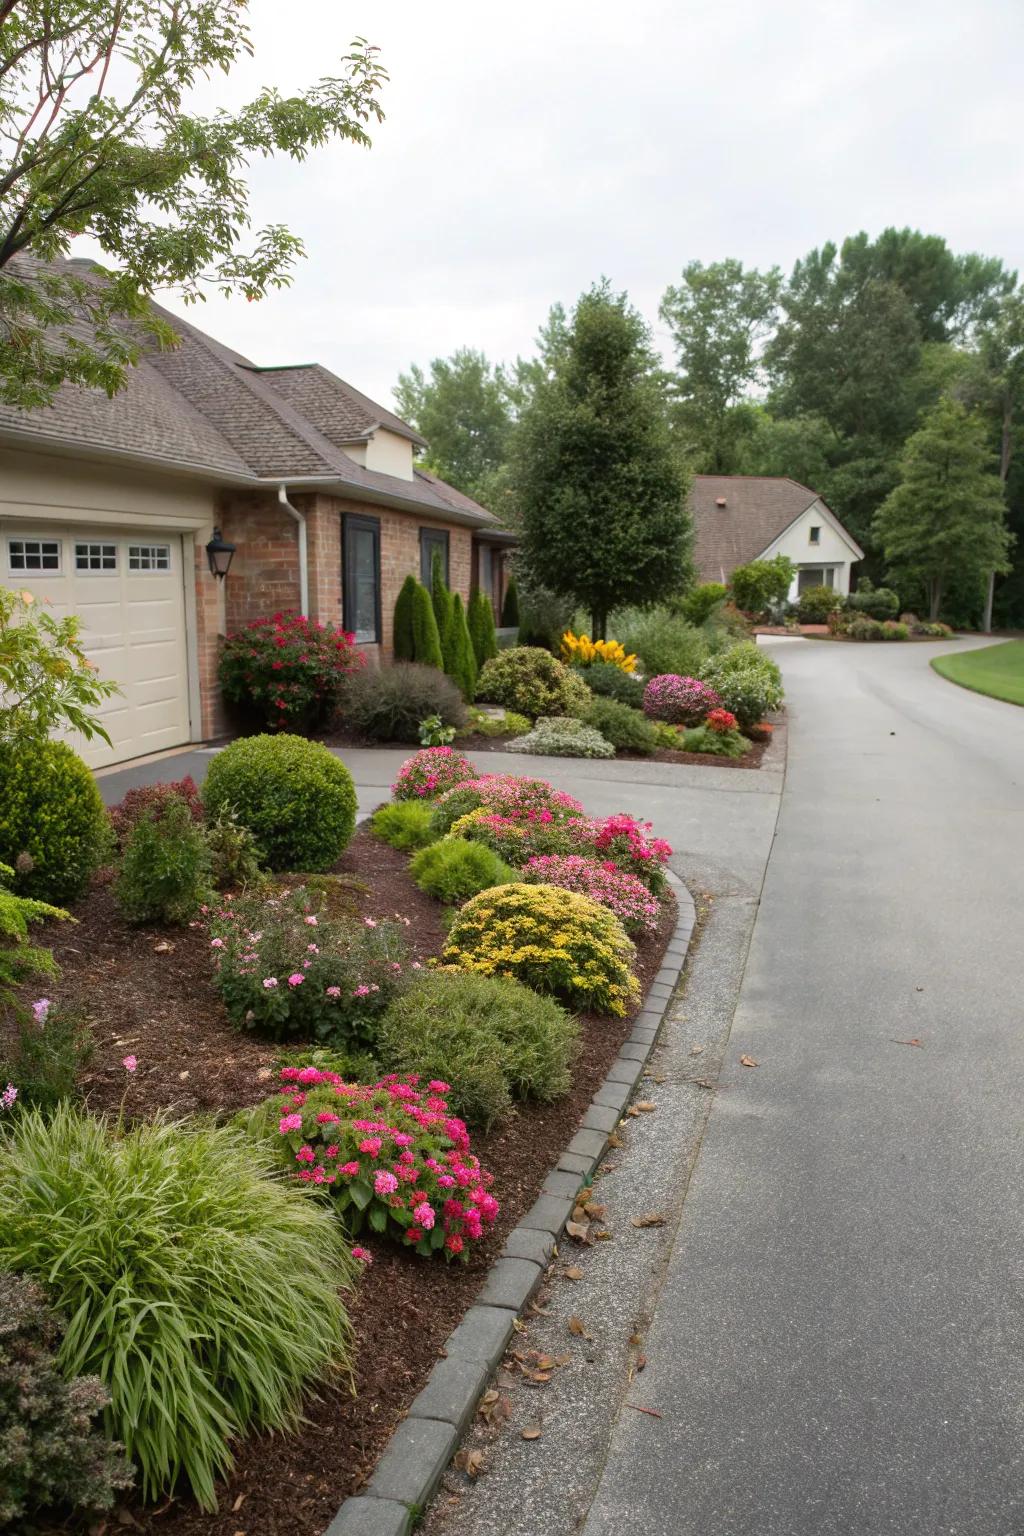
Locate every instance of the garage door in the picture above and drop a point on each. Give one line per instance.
(128, 590)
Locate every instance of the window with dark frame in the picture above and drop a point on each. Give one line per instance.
(433, 541)
(815, 534)
(360, 569)
(95, 557)
(33, 554)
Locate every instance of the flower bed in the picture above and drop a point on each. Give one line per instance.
(158, 1005)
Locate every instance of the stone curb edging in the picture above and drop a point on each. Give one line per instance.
(410, 1469)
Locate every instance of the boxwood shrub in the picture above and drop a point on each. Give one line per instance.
(492, 1039)
(453, 870)
(532, 682)
(54, 831)
(296, 798)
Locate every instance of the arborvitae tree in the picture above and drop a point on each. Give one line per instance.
(426, 642)
(441, 598)
(947, 517)
(404, 640)
(481, 627)
(601, 489)
(510, 607)
(461, 664)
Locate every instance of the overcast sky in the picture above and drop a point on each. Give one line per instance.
(532, 147)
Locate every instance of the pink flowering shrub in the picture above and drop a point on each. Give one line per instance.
(506, 795)
(679, 700)
(391, 1154)
(629, 845)
(602, 880)
(286, 969)
(431, 772)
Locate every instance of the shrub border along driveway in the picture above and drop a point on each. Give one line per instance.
(411, 1466)
(968, 670)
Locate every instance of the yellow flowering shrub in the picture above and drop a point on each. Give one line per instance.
(581, 651)
(551, 939)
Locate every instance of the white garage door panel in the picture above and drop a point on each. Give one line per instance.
(133, 626)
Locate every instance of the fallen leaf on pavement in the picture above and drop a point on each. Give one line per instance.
(641, 1361)
(531, 1432)
(747, 1061)
(645, 1106)
(573, 1273)
(652, 1219)
(695, 1050)
(915, 1041)
(652, 1411)
(470, 1462)
(579, 1328)
(578, 1230)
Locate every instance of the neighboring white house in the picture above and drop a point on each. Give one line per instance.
(739, 518)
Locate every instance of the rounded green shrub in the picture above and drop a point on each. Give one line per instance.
(404, 824)
(816, 603)
(628, 729)
(664, 641)
(700, 602)
(493, 1039)
(608, 681)
(453, 870)
(747, 681)
(296, 798)
(54, 831)
(552, 940)
(532, 682)
(200, 1290)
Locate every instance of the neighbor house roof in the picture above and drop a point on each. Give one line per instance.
(204, 408)
(737, 517)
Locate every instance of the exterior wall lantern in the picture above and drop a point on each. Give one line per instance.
(220, 554)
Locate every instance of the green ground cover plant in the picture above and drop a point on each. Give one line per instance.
(995, 670)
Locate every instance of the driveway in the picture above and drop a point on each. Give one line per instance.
(838, 1345)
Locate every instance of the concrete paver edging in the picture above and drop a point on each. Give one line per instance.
(407, 1475)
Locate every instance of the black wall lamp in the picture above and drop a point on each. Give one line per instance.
(220, 554)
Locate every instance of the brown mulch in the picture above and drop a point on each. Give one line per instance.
(190, 1058)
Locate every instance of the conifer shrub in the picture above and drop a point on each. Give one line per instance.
(426, 637)
(482, 629)
(403, 638)
(510, 606)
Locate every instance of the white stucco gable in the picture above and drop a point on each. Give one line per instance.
(819, 547)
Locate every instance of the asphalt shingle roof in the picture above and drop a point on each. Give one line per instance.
(757, 509)
(203, 406)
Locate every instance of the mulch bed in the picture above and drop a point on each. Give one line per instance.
(160, 1005)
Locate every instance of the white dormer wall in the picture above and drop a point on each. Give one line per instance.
(388, 454)
(831, 550)
(356, 451)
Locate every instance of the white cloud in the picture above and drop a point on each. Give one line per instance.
(530, 149)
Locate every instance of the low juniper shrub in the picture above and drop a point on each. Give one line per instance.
(404, 824)
(453, 870)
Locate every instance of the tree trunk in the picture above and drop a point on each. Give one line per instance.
(598, 624)
(934, 598)
(986, 622)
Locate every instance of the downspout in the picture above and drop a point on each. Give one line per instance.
(282, 496)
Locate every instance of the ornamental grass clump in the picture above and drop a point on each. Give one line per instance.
(679, 700)
(404, 824)
(287, 970)
(453, 869)
(393, 1156)
(296, 798)
(494, 1040)
(51, 1452)
(288, 670)
(202, 1291)
(430, 773)
(602, 881)
(551, 939)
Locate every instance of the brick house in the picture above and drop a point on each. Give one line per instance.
(106, 508)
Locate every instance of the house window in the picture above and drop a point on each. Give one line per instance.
(149, 557)
(361, 577)
(815, 576)
(433, 541)
(33, 554)
(95, 557)
(485, 570)
(815, 535)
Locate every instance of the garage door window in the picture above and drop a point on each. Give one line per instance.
(149, 557)
(33, 554)
(95, 557)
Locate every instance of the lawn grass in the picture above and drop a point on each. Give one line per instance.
(997, 670)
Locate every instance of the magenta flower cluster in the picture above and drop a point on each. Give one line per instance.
(679, 700)
(604, 882)
(431, 772)
(629, 845)
(515, 798)
(393, 1156)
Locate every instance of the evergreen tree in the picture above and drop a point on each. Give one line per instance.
(481, 628)
(442, 601)
(404, 640)
(600, 489)
(460, 665)
(426, 642)
(510, 607)
(946, 518)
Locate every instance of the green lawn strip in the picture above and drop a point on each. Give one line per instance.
(997, 670)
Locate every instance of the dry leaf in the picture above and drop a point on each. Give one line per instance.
(615, 1140)
(578, 1230)
(645, 1106)
(531, 1432)
(164, 947)
(573, 1273)
(695, 1050)
(747, 1061)
(519, 1325)
(652, 1219)
(505, 1378)
(604, 1236)
(595, 1211)
(641, 1361)
(470, 1462)
(182, 1075)
(579, 1328)
(660, 1077)
(236, 1506)
(485, 1406)
(915, 1041)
